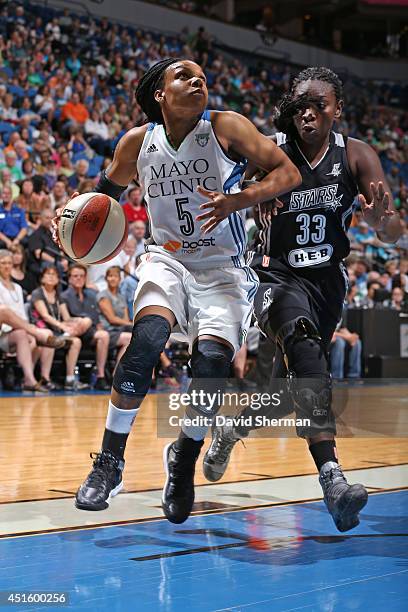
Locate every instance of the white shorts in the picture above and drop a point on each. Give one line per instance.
(214, 301)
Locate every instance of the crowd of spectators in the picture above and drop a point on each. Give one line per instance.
(66, 97)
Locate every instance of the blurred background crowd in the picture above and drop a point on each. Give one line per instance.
(65, 101)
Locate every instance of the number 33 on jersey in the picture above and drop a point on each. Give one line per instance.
(310, 230)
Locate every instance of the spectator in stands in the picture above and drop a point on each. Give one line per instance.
(134, 208)
(114, 314)
(17, 340)
(402, 243)
(77, 144)
(58, 195)
(42, 250)
(97, 133)
(19, 273)
(138, 231)
(345, 354)
(81, 303)
(40, 195)
(86, 186)
(202, 44)
(43, 337)
(391, 267)
(5, 181)
(397, 299)
(127, 289)
(80, 174)
(66, 168)
(394, 180)
(363, 236)
(13, 224)
(353, 300)
(74, 113)
(361, 270)
(8, 112)
(12, 165)
(29, 203)
(400, 278)
(97, 272)
(46, 311)
(385, 280)
(371, 300)
(20, 148)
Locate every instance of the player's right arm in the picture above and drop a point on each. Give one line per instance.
(238, 135)
(124, 164)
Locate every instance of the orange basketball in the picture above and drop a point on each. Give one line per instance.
(92, 228)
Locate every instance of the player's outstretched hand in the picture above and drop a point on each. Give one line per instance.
(55, 221)
(221, 206)
(377, 211)
(269, 209)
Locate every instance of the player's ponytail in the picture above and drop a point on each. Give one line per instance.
(150, 82)
(283, 115)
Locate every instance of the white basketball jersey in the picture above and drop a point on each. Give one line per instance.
(169, 181)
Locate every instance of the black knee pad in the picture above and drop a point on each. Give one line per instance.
(312, 398)
(211, 359)
(210, 367)
(133, 374)
(309, 380)
(299, 330)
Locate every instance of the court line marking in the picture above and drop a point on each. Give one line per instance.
(332, 586)
(205, 484)
(243, 543)
(193, 514)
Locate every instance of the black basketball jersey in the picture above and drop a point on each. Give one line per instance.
(310, 231)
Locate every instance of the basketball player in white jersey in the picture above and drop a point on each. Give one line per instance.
(186, 159)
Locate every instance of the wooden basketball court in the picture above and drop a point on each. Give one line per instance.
(263, 516)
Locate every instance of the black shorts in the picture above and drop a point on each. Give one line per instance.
(87, 338)
(284, 295)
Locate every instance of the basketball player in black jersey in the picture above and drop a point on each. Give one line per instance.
(303, 281)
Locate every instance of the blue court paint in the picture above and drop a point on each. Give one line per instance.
(280, 558)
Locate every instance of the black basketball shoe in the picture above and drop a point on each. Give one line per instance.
(343, 501)
(103, 482)
(179, 459)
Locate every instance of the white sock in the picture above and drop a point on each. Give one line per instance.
(120, 421)
(195, 432)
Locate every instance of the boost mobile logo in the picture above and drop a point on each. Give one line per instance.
(174, 245)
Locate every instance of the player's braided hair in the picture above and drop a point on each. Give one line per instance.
(288, 107)
(148, 84)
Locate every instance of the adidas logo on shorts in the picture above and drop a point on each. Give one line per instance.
(152, 149)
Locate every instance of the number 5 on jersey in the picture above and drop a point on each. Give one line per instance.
(187, 225)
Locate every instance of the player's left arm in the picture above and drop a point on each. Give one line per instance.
(375, 194)
(238, 134)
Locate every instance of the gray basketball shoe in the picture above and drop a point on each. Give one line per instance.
(217, 457)
(343, 501)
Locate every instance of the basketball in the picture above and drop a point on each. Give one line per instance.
(92, 228)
